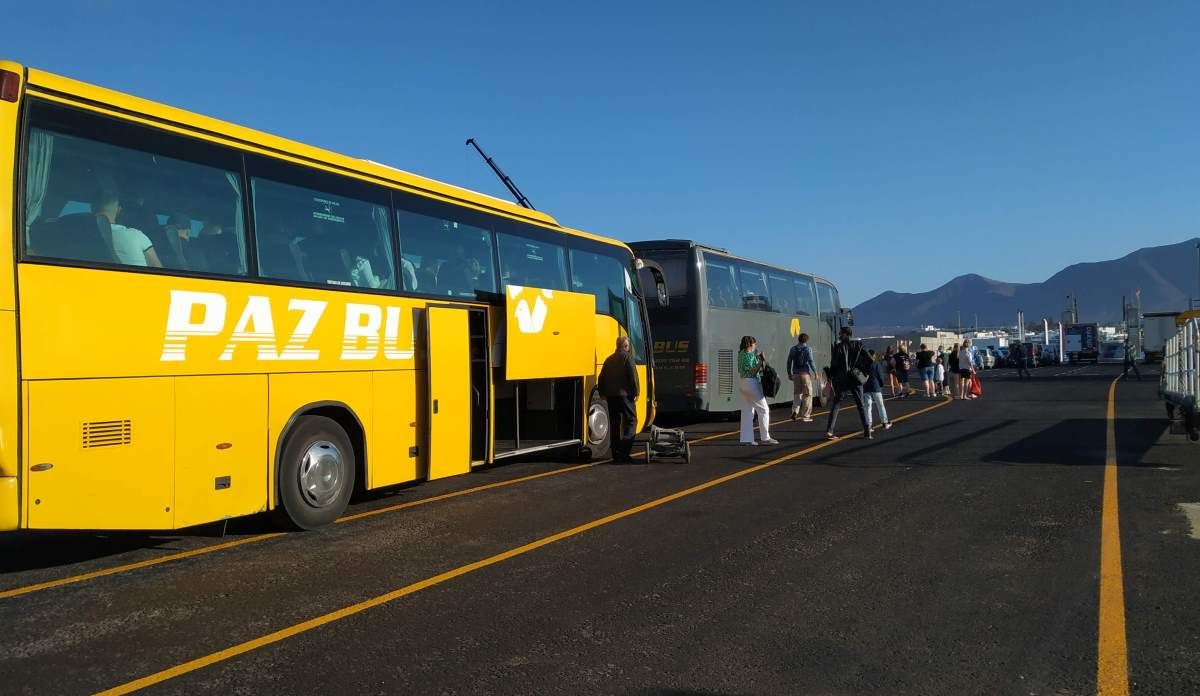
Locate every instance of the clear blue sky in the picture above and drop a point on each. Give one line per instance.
(884, 145)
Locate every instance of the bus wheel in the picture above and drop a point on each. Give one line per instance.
(316, 473)
(599, 427)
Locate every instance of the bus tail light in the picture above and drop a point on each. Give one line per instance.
(10, 85)
(700, 374)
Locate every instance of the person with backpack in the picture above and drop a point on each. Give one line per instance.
(849, 365)
(903, 365)
(873, 391)
(750, 364)
(803, 370)
(889, 358)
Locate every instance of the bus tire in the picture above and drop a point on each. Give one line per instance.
(315, 473)
(599, 427)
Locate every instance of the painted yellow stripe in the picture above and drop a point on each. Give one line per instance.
(83, 577)
(17, 591)
(1112, 671)
(27, 589)
(344, 612)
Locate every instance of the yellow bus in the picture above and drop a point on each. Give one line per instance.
(203, 321)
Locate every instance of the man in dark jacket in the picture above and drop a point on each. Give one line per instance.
(846, 356)
(1016, 353)
(618, 384)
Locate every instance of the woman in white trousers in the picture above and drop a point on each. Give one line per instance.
(750, 364)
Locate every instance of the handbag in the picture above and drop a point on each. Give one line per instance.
(855, 376)
(770, 380)
(976, 388)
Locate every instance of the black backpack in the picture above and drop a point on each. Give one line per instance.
(770, 381)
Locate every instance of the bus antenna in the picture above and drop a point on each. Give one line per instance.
(512, 188)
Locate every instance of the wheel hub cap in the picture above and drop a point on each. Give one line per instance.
(321, 473)
(597, 423)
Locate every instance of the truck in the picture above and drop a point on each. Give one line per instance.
(1082, 343)
(1157, 328)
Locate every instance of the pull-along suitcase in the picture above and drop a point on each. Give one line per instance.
(668, 442)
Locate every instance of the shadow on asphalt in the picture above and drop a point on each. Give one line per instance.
(1083, 442)
(33, 550)
(1135, 437)
(1070, 442)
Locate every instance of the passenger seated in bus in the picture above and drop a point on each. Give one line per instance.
(408, 273)
(214, 251)
(461, 277)
(321, 257)
(172, 242)
(131, 246)
(362, 271)
(427, 274)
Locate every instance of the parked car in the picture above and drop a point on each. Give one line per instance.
(1002, 357)
(987, 358)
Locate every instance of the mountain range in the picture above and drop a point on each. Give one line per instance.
(1167, 276)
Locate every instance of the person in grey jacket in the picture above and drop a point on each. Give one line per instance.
(803, 371)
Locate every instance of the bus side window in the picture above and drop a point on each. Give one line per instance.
(131, 167)
(783, 294)
(444, 255)
(602, 276)
(806, 296)
(722, 285)
(531, 262)
(322, 237)
(754, 289)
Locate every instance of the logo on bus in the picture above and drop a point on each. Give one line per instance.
(795, 328)
(368, 330)
(530, 320)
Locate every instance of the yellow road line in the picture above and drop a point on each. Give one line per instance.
(1112, 670)
(17, 591)
(347, 611)
(27, 589)
(125, 568)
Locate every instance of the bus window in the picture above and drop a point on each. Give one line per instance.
(754, 289)
(829, 309)
(722, 285)
(602, 276)
(531, 263)
(806, 296)
(319, 237)
(637, 332)
(675, 269)
(783, 294)
(102, 203)
(440, 255)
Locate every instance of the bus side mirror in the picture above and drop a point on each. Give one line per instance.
(660, 280)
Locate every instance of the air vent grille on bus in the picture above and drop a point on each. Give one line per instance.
(725, 372)
(106, 433)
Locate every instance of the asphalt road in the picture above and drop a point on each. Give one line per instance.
(958, 553)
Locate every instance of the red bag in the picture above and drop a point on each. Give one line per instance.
(976, 385)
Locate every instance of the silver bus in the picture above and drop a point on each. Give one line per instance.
(715, 299)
